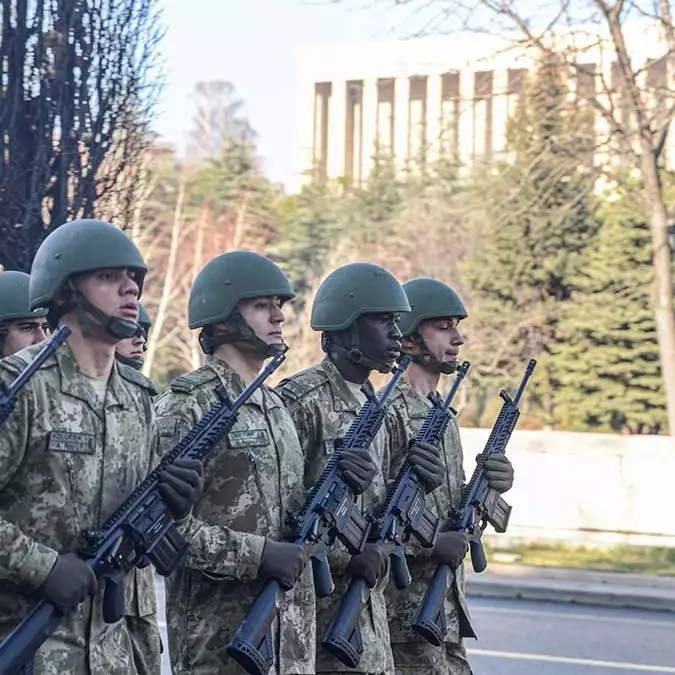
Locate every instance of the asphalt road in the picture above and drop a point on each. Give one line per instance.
(527, 638)
(530, 638)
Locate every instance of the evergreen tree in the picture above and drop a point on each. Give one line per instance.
(309, 228)
(534, 220)
(607, 354)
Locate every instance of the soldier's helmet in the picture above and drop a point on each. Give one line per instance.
(14, 302)
(353, 290)
(144, 319)
(429, 299)
(230, 278)
(80, 246)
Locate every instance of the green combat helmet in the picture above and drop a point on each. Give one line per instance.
(221, 285)
(144, 320)
(144, 325)
(349, 292)
(430, 299)
(76, 247)
(14, 301)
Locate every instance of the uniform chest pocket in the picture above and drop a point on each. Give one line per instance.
(245, 441)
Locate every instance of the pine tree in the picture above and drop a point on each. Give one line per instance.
(534, 219)
(309, 228)
(607, 354)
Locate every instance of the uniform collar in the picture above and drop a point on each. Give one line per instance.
(234, 384)
(343, 397)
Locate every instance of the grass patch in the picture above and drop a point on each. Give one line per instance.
(639, 559)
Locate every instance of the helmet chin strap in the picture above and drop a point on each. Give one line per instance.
(117, 327)
(134, 362)
(243, 333)
(354, 353)
(425, 358)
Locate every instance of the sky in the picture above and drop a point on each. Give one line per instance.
(251, 44)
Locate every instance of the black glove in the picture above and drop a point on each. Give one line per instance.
(427, 463)
(282, 561)
(499, 473)
(370, 564)
(450, 548)
(180, 484)
(357, 468)
(70, 581)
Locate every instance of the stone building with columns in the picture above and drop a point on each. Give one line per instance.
(420, 95)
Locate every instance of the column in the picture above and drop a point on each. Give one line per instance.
(466, 126)
(317, 148)
(434, 114)
(500, 110)
(336, 129)
(369, 126)
(401, 120)
(304, 129)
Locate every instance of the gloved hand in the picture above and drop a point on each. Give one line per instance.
(370, 564)
(357, 468)
(450, 548)
(282, 561)
(499, 473)
(70, 581)
(427, 463)
(181, 484)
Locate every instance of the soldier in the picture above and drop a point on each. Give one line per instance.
(142, 629)
(253, 479)
(81, 437)
(19, 327)
(131, 350)
(356, 308)
(432, 337)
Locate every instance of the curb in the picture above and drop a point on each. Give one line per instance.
(648, 594)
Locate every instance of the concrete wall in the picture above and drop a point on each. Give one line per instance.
(586, 489)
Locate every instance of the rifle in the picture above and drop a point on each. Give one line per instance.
(479, 506)
(405, 514)
(139, 532)
(329, 513)
(8, 394)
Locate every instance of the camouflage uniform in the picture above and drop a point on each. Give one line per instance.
(249, 484)
(66, 463)
(412, 653)
(322, 407)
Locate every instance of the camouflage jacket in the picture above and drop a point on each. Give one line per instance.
(405, 414)
(323, 407)
(65, 465)
(250, 482)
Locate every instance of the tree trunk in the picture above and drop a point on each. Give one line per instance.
(168, 280)
(662, 284)
(197, 264)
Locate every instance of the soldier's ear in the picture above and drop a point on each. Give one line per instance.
(409, 344)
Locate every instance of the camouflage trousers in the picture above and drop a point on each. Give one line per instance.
(145, 643)
(421, 658)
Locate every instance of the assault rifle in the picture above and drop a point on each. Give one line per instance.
(479, 506)
(405, 514)
(141, 530)
(329, 513)
(8, 394)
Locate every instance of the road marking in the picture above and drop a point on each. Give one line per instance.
(476, 609)
(619, 665)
